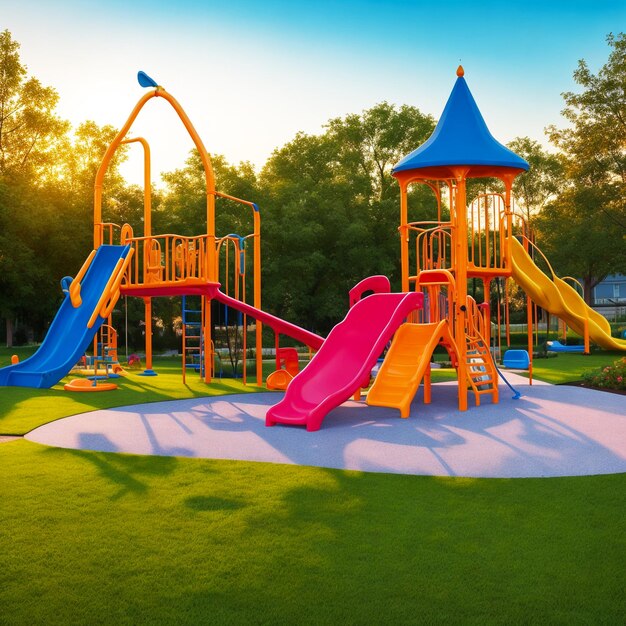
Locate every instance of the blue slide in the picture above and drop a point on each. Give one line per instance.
(68, 336)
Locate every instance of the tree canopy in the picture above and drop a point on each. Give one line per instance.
(328, 202)
(585, 224)
(332, 211)
(46, 192)
(29, 129)
(541, 183)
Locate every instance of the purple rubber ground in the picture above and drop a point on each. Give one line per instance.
(550, 431)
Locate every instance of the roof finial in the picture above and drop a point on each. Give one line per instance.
(460, 71)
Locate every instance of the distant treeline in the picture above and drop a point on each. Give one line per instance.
(329, 206)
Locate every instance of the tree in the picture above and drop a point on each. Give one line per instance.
(595, 143)
(579, 239)
(307, 213)
(47, 227)
(30, 132)
(536, 187)
(371, 143)
(585, 224)
(46, 193)
(332, 211)
(29, 128)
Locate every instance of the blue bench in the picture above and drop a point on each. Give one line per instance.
(516, 359)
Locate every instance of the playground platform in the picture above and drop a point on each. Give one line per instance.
(550, 431)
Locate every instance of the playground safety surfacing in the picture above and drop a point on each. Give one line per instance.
(550, 431)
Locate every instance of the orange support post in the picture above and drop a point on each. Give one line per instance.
(148, 319)
(404, 235)
(460, 250)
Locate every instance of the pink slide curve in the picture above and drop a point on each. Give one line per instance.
(345, 360)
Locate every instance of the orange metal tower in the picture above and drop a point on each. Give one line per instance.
(472, 243)
(172, 264)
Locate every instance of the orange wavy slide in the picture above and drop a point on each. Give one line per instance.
(560, 299)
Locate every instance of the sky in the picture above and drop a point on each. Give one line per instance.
(251, 74)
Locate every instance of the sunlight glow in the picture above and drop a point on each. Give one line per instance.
(250, 74)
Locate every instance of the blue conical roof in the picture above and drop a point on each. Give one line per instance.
(461, 138)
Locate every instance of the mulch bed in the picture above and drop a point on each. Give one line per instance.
(580, 383)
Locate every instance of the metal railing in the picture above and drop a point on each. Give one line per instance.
(433, 245)
(167, 260)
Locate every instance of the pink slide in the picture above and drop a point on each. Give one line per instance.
(345, 360)
(280, 326)
(211, 290)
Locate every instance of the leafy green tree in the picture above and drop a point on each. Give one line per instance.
(47, 233)
(585, 225)
(333, 211)
(46, 193)
(18, 262)
(595, 141)
(580, 238)
(536, 187)
(81, 155)
(29, 129)
(30, 134)
(372, 142)
(308, 212)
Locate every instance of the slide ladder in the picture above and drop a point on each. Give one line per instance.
(481, 370)
(192, 340)
(406, 364)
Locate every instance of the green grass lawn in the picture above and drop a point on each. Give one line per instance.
(569, 367)
(22, 409)
(96, 538)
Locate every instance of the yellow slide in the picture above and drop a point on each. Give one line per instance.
(405, 365)
(560, 299)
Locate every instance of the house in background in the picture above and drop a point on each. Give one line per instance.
(609, 297)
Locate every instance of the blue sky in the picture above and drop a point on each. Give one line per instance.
(252, 74)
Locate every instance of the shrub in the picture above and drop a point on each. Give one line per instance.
(609, 377)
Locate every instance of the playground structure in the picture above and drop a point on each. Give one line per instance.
(287, 366)
(484, 241)
(208, 266)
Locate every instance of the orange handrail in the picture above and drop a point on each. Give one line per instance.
(107, 300)
(110, 227)
(75, 285)
(115, 287)
(106, 293)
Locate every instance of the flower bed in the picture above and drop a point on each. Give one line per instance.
(611, 377)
